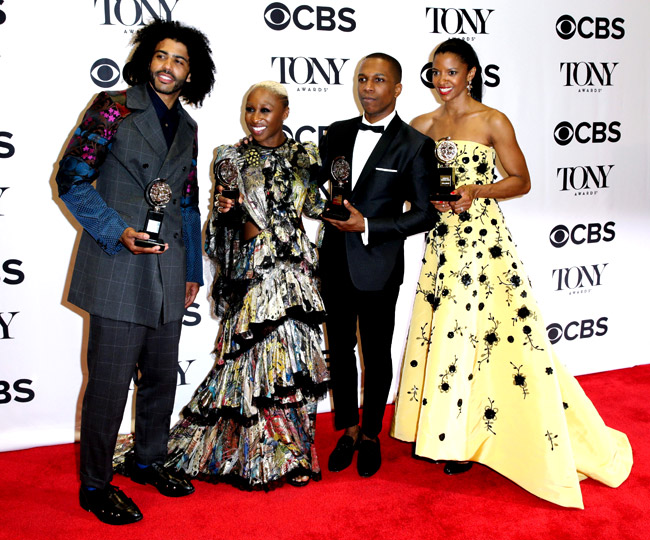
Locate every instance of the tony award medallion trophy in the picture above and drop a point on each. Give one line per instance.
(157, 194)
(225, 171)
(340, 190)
(445, 179)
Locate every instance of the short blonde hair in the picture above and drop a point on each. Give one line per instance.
(275, 88)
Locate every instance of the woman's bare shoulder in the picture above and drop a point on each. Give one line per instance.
(495, 119)
(425, 122)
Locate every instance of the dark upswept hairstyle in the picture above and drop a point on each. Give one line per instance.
(397, 67)
(468, 56)
(136, 70)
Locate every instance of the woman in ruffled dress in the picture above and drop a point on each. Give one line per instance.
(251, 421)
(480, 382)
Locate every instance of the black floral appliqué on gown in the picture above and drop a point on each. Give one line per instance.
(479, 379)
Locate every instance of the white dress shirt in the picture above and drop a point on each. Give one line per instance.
(363, 146)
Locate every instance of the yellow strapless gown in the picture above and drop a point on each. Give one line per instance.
(479, 379)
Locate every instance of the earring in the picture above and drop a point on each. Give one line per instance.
(469, 88)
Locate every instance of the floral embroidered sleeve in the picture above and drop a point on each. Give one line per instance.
(79, 167)
(314, 202)
(191, 216)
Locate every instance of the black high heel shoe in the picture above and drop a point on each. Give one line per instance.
(298, 478)
(457, 467)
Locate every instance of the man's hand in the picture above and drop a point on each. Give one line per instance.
(354, 223)
(191, 290)
(129, 237)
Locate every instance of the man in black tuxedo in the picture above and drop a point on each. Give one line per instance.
(362, 258)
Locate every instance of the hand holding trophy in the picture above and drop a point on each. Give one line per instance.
(225, 171)
(445, 180)
(340, 190)
(157, 194)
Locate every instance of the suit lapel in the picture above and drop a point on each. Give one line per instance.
(149, 126)
(380, 149)
(147, 123)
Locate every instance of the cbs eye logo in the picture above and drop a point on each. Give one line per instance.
(590, 233)
(277, 16)
(584, 329)
(588, 27)
(105, 73)
(586, 132)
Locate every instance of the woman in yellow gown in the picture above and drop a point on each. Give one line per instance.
(480, 382)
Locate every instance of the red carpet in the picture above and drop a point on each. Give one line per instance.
(409, 498)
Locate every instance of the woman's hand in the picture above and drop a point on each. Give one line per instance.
(244, 141)
(223, 204)
(467, 194)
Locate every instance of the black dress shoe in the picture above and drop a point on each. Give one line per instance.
(341, 456)
(457, 467)
(164, 480)
(110, 505)
(369, 458)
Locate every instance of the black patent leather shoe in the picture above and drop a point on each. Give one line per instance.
(110, 505)
(164, 480)
(369, 458)
(341, 456)
(457, 467)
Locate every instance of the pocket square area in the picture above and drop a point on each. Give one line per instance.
(385, 170)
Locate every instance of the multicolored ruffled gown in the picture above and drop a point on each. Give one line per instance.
(480, 381)
(252, 419)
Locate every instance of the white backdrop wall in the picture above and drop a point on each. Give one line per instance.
(572, 77)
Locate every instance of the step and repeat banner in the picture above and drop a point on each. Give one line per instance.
(572, 77)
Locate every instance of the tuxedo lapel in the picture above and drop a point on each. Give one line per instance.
(347, 140)
(380, 149)
(339, 142)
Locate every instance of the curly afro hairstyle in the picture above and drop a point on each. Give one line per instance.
(136, 70)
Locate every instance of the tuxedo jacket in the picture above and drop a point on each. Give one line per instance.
(399, 169)
(120, 147)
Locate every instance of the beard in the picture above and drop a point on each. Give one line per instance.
(165, 88)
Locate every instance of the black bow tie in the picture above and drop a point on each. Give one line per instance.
(367, 127)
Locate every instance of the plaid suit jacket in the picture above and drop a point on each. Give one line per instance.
(120, 146)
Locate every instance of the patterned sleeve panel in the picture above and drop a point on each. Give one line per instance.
(79, 167)
(314, 202)
(191, 217)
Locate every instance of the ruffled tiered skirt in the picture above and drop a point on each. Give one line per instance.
(251, 421)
